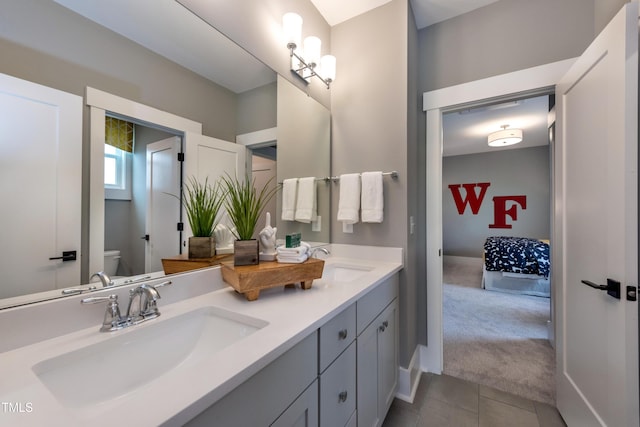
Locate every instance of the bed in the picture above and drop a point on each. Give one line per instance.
(516, 265)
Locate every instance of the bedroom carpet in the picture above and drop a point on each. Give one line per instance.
(496, 339)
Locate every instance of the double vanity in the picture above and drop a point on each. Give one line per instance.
(323, 356)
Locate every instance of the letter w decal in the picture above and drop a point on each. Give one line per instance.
(472, 199)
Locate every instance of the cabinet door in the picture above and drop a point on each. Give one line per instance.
(367, 361)
(303, 412)
(377, 361)
(387, 357)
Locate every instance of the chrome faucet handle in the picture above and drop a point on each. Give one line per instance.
(112, 319)
(152, 296)
(142, 302)
(104, 278)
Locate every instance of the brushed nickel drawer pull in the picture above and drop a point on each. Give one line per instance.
(343, 334)
(342, 397)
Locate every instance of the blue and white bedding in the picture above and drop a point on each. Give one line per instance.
(517, 255)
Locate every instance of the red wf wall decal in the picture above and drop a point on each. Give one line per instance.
(474, 199)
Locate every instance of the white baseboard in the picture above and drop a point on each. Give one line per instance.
(409, 378)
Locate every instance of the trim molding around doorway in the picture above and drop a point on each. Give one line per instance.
(99, 104)
(434, 104)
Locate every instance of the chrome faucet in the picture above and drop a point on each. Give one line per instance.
(142, 307)
(142, 303)
(104, 278)
(321, 249)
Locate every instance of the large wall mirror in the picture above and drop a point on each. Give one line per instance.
(297, 141)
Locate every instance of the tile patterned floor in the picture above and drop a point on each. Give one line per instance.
(443, 401)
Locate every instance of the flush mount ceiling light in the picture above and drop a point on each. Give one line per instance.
(305, 58)
(505, 137)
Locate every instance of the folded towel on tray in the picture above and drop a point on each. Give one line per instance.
(286, 259)
(300, 250)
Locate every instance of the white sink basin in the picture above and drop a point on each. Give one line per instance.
(344, 272)
(137, 356)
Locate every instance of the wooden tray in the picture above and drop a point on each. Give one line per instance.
(251, 279)
(180, 263)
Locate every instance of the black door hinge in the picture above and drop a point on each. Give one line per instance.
(181, 157)
(180, 226)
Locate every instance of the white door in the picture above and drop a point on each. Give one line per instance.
(40, 186)
(597, 235)
(163, 203)
(206, 157)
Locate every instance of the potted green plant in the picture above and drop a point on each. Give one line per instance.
(202, 203)
(244, 204)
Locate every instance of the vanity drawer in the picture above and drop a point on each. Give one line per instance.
(336, 335)
(338, 390)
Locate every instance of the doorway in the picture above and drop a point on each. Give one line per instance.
(495, 319)
(527, 82)
(130, 224)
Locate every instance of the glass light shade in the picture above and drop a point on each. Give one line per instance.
(312, 46)
(292, 29)
(505, 137)
(328, 67)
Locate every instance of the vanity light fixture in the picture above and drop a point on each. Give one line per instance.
(306, 61)
(505, 137)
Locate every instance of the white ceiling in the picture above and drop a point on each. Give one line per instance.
(466, 131)
(427, 12)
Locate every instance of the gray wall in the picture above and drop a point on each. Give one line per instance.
(370, 132)
(505, 36)
(257, 109)
(510, 172)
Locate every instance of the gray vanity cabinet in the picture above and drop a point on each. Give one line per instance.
(344, 374)
(377, 353)
(283, 393)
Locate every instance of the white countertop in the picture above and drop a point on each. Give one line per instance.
(176, 396)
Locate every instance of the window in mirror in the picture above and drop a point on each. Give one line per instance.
(118, 148)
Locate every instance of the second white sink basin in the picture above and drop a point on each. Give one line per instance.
(129, 360)
(344, 272)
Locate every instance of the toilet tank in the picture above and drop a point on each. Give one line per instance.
(111, 260)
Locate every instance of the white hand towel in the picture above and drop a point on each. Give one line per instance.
(349, 202)
(372, 203)
(289, 190)
(306, 203)
(300, 250)
(292, 259)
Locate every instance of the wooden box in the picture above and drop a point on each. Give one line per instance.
(246, 252)
(251, 279)
(202, 247)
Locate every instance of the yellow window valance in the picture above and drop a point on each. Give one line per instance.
(119, 133)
